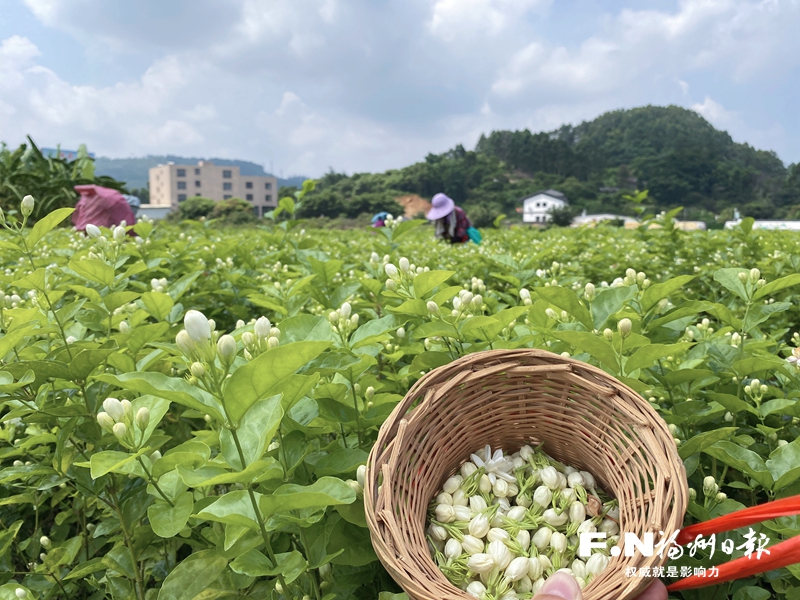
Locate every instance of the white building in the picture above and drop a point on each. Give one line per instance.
(785, 225)
(594, 220)
(536, 208)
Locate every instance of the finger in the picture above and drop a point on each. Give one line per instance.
(559, 586)
(655, 591)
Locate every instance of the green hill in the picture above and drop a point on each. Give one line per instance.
(675, 153)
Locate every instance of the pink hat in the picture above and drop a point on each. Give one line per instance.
(441, 206)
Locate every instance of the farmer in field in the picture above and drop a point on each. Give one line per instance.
(452, 223)
(102, 207)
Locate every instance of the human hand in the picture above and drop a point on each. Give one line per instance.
(562, 586)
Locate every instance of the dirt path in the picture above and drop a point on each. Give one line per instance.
(413, 205)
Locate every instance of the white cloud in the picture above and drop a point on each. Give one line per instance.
(715, 113)
(740, 37)
(451, 19)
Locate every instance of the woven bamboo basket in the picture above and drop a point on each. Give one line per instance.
(509, 398)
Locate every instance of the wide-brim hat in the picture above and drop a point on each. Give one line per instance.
(381, 216)
(441, 206)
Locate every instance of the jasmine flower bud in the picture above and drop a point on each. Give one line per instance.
(541, 538)
(624, 327)
(500, 553)
(480, 563)
(475, 589)
(549, 477)
(44, 540)
(120, 430)
(185, 343)
(197, 326)
(472, 545)
(143, 418)
(433, 307)
(517, 569)
(26, 207)
(551, 517)
(452, 549)
(534, 568)
(445, 513)
(114, 408)
(391, 270)
(226, 348)
(596, 564)
(262, 328)
(105, 421)
(478, 527)
(558, 542)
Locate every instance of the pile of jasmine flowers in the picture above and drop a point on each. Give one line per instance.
(505, 523)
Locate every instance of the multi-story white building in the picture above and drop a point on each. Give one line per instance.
(172, 184)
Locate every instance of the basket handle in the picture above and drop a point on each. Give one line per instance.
(781, 555)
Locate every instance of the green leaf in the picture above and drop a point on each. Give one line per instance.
(424, 283)
(193, 576)
(416, 308)
(647, 356)
(326, 491)
(703, 440)
(93, 270)
(267, 302)
(734, 404)
(777, 286)
(167, 520)
(742, 459)
(208, 476)
(761, 312)
(46, 224)
(609, 302)
(657, 292)
(373, 331)
(191, 454)
(87, 568)
(255, 380)
(729, 278)
(233, 508)
(117, 299)
(389, 595)
(170, 388)
(784, 464)
(306, 328)
(481, 327)
(7, 537)
(751, 592)
(434, 329)
(597, 347)
(158, 304)
(778, 405)
(566, 299)
(343, 460)
(255, 432)
(12, 338)
(254, 564)
(405, 227)
(86, 361)
(111, 461)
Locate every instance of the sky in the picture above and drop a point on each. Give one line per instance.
(306, 86)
